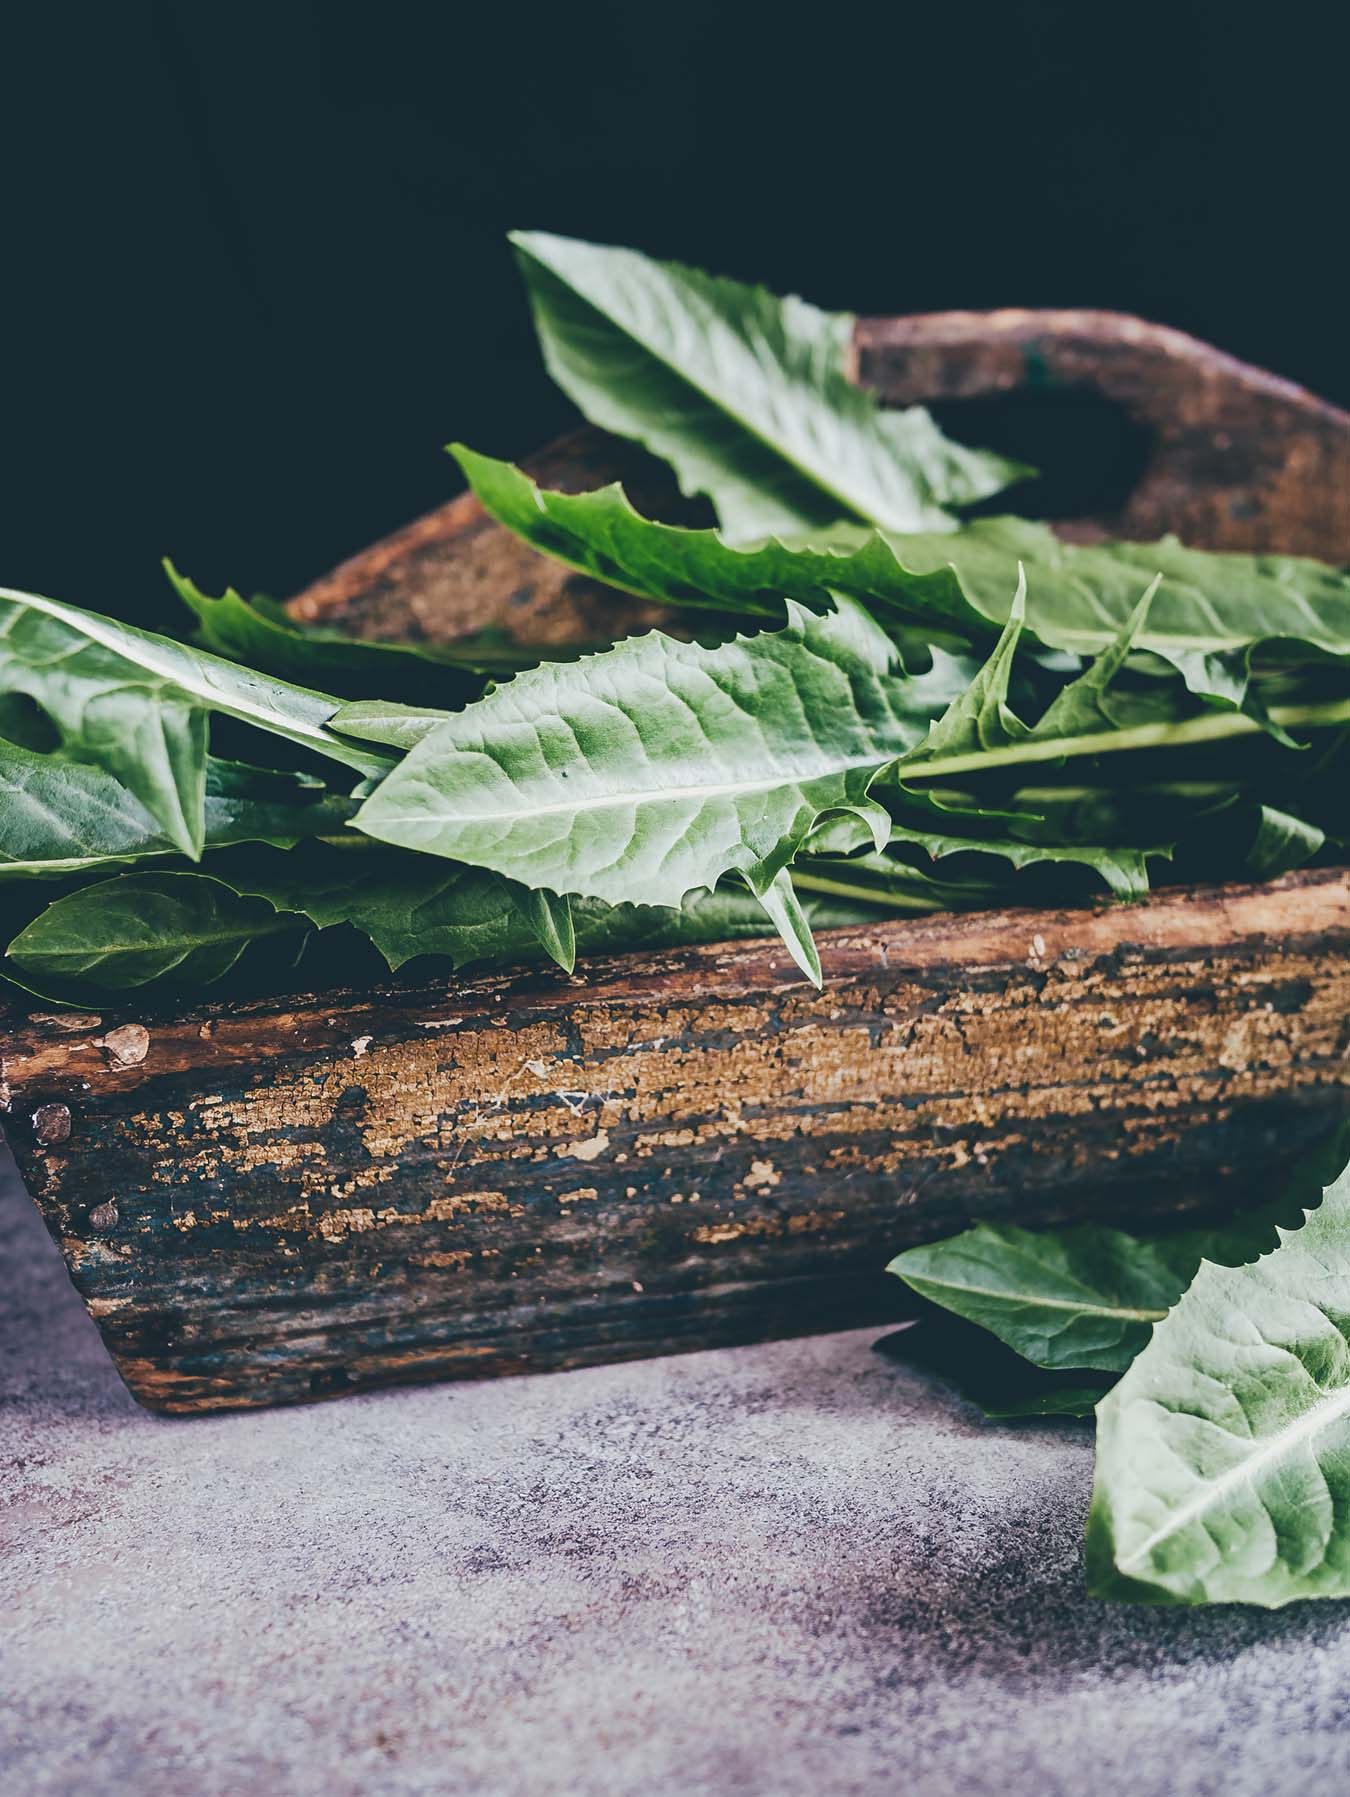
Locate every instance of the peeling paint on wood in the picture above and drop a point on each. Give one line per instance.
(691, 1150)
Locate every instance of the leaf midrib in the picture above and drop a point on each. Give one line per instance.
(719, 405)
(649, 794)
(110, 951)
(1120, 1313)
(1245, 1472)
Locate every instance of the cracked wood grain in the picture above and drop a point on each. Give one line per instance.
(522, 1172)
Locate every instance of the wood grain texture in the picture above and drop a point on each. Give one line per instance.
(295, 1197)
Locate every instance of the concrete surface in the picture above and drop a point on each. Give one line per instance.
(779, 1570)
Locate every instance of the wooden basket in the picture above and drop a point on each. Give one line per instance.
(288, 1198)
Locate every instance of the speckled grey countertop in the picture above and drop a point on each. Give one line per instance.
(789, 1569)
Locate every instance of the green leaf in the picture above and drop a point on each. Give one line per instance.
(61, 817)
(1085, 1296)
(979, 719)
(745, 395)
(653, 770)
(1223, 1455)
(600, 534)
(1212, 614)
(399, 726)
(137, 705)
(266, 638)
(413, 905)
(1283, 842)
(784, 909)
(980, 732)
(137, 928)
(551, 923)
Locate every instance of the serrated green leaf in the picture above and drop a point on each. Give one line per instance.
(135, 929)
(1212, 614)
(746, 395)
(411, 905)
(137, 705)
(1223, 1455)
(265, 638)
(659, 767)
(601, 534)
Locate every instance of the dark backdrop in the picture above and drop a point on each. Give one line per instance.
(255, 274)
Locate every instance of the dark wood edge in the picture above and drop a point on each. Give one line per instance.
(44, 1053)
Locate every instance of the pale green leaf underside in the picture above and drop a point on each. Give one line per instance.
(1223, 1455)
(744, 394)
(61, 817)
(653, 770)
(137, 705)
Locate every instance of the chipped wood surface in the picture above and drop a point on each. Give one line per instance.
(290, 1198)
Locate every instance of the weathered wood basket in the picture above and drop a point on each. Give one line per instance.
(293, 1197)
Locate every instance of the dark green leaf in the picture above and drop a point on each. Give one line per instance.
(1084, 1297)
(60, 817)
(265, 638)
(134, 929)
(412, 905)
(993, 1378)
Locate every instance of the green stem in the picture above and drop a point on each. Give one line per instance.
(871, 895)
(1212, 727)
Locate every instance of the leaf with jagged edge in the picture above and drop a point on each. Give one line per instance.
(1213, 612)
(658, 767)
(137, 705)
(137, 929)
(602, 535)
(1223, 1455)
(60, 817)
(747, 396)
(413, 905)
(266, 639)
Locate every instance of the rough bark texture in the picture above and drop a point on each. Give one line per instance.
(290, 1198)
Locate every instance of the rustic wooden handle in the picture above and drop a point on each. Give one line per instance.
(1238, 458)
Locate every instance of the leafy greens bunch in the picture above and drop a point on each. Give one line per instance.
(881, 709)
(871, 701)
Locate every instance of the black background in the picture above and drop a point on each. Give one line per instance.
(255, 274)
